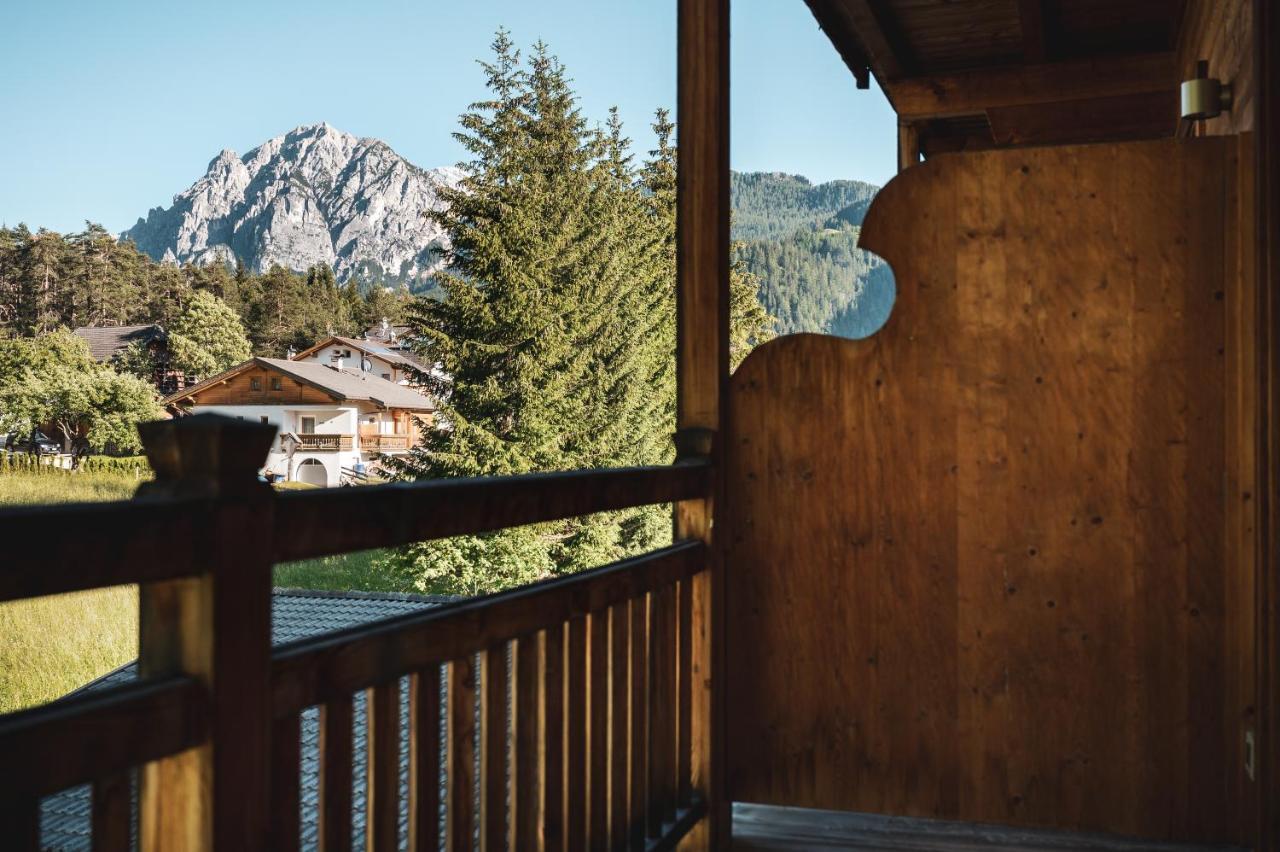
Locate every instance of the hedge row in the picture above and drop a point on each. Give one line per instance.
(30, 463)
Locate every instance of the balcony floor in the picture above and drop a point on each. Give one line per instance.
(762, 828)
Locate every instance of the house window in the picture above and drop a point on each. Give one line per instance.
(308, 425)
(386, 376)
(275, 383)
(263, 418)
(346, 353)
(255, 384)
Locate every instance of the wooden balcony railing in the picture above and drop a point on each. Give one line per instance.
(574, 698)
(384, 443)
(312, 442)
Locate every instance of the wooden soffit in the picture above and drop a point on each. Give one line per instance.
(976, 74)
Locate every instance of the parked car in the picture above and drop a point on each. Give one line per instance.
(37, 442)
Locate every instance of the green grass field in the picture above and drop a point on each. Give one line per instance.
(52, 645)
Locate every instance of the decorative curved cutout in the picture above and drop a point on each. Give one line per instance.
(953, 546)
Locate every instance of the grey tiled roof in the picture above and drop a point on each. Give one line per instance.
(341, 384)
(64, 817)
(106, 343)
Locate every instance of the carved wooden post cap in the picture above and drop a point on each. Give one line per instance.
(204, 453)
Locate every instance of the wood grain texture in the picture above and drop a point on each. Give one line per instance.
(495, 724)
(286, 763)
(978, 557)
(527, 784)
(460, 831)
(336, 760)
(112, 814)
(424, 760)
(382, 768)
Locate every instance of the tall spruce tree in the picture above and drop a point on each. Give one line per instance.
(555, 336)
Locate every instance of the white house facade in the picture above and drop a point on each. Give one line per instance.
(333, 425)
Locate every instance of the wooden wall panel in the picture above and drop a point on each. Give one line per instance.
(977, 559)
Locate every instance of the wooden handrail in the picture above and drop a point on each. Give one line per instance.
(326, 522)
(137, 541)
(313, 671)
(66, 548)
(101, 733)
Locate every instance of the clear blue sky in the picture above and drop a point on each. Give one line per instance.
(109, 109)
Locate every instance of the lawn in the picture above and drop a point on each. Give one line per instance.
(52, 645)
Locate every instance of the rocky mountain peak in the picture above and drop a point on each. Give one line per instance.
(313, 195)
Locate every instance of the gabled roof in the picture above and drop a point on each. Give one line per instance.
(391, 354)
(106, 343)
(295, 614)
(343, 385)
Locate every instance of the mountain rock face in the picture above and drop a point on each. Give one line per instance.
(313, 195)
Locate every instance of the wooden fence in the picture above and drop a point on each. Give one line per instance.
(568, 705)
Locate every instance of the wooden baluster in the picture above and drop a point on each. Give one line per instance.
(661, 707)
(598, 731)
(336, 720)
(217, 627)
(460, 826)
(20, 822)
(424, 761)
(684, 693)
(526, 775)
(494, 726)
(553, 739)
(112, 813)
(619, 623)
(639, 700)
(576, 736)
(286, 765)
(382, 768)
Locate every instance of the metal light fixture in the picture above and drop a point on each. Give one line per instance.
(1204, 97)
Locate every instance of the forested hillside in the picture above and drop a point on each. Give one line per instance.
(773, 205)
(800, 241)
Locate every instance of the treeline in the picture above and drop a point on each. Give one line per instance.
(50, 280)
(769, 205)
(820, 281)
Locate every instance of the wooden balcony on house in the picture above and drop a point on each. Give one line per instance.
(319, 443)
(382, 443)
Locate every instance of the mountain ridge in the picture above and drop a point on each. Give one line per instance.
(318, 195)
(313, 195)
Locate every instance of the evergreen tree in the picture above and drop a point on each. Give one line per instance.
(555, 330)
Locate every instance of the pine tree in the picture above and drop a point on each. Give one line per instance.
(555, 333)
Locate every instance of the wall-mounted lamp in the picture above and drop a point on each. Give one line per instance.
(1204, 97)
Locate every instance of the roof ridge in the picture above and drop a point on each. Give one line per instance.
(354, 594)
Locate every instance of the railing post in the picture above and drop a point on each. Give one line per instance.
(702, 365)
(217, 627)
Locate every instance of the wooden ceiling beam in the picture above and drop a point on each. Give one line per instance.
(833, 21)
(975, 92)
(885, 45)
(1148, 115)
(1034, 36)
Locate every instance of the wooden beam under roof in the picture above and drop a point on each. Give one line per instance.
(832, 20)
(973, 92)
(1034, 38)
